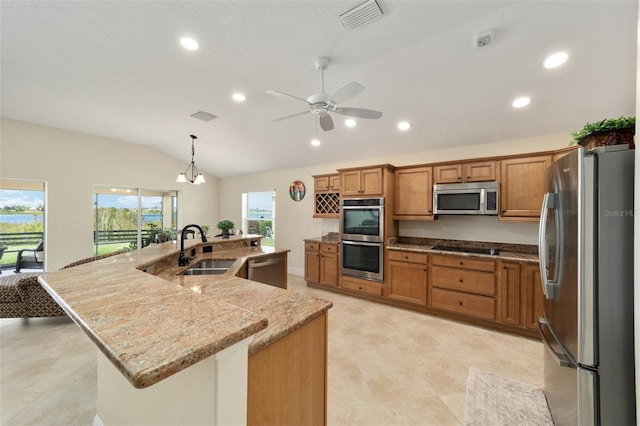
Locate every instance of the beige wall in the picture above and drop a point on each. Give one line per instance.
(71, 163)
(294, 220)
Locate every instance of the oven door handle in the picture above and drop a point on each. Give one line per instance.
(360, 243)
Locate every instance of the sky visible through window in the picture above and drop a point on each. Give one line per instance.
(19, 197)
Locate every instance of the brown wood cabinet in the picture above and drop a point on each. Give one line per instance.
(329, 264)
(533, 297)
(322, 265)
(326, 183)
(510, 293)
(326, 195)
(479, 171)
(287, 380)
(362, 286)
(464, 285)
(523, 183)
(414, 194)
(312, 262)
(366, 181)
(407, 277)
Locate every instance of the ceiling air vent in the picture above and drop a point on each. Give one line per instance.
(204, 116)
(361, 15)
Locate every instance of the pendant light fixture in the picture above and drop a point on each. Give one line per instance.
(191, 174)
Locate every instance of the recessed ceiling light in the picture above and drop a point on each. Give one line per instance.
(315, 142)
(350, 122)
(521, 102)
(555, 60)
(404, 125)
(189, 43)
(239, 97)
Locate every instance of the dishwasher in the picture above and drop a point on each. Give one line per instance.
(270, 270)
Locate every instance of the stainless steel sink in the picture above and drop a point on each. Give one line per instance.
(204, 271)
(209, 267)
(213, 263)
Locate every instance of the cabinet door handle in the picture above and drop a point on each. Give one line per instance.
(461, 263)
(504, 211)
(460, 280)
(468, 177)
(459, 177)
(460, 303)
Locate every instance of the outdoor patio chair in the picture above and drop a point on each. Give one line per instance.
(31, 258)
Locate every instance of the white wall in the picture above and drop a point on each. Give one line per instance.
(294, 220)
(71, 163)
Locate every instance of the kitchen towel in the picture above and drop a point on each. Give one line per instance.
(492, 399)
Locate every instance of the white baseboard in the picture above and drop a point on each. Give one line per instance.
(296, 271)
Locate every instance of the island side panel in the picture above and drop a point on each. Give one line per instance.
(288, 379)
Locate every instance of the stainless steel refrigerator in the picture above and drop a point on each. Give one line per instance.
(586, 262)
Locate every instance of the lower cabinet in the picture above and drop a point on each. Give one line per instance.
(533, 297)
(321, 263)
(510, 293)
(482, 290)
(329, 264)
(359, 285)
(464, 285)
(407, 277)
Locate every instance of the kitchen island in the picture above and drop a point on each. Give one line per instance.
(166, 331)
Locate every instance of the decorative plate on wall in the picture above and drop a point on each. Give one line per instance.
(296, 190)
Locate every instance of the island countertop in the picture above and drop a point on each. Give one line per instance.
(153, 326)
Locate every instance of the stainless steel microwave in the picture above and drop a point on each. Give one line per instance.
(479, 198)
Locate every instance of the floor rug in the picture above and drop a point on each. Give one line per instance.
(496, 400)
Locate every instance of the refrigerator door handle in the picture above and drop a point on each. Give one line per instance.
(562, 359)
(550, 286)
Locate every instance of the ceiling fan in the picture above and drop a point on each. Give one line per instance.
(322, 103)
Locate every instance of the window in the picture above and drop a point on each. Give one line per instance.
(21, 217)
(259, 215)
(128, 218)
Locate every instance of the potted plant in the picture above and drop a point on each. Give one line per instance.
(225, 225)
(205, 229)
(610, 131)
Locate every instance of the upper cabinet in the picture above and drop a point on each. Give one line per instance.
(479, 171)
(365, 181)
(414, 193)
(523, 183)
(327, 183)
(326, 195)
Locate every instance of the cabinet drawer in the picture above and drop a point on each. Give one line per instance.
(463, 262)
(361, 285)
(405, 256)
(328, 248)
(463, 303)
(311, 246)
(468, 281)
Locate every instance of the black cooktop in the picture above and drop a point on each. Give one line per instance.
(467, 249)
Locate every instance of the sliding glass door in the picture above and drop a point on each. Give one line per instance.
(130, 218)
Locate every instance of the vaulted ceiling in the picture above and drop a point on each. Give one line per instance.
(116, 69)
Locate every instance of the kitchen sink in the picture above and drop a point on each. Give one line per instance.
(213, 263)
(209, 267)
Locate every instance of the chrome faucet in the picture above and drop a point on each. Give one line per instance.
(184, 260)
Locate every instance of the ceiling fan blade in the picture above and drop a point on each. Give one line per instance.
(326, 122)
(358, 112)
(290, 116)
(285, 95)
(346, 92)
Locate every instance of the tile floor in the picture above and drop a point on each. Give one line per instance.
(386, 366)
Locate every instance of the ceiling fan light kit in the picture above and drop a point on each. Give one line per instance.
(322, 104)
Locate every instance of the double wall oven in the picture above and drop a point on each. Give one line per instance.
(362, 234)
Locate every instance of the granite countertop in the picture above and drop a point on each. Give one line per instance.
(331, 238)
(512, 252)
(153, 326)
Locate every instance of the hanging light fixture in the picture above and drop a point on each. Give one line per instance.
(191, 174)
